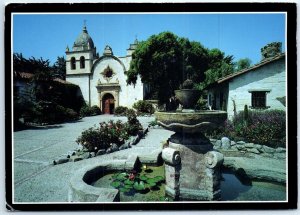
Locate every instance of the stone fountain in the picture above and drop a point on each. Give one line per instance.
(192, 167)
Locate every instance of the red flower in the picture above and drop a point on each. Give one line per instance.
(131, 176)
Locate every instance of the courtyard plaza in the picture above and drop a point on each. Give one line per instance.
(36, 179)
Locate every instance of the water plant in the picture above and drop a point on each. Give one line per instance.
(135, 181)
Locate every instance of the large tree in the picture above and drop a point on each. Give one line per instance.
(40, 68)
(158, 62)
(219, 65)
(243, 63)
(164, 61)
(59, 68)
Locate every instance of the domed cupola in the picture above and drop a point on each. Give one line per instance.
(83, 42)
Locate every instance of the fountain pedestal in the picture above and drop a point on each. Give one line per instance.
(195, 173)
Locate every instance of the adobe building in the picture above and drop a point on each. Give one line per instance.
(260, 87)
(102, 79)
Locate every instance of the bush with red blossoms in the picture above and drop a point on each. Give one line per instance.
(94, 139)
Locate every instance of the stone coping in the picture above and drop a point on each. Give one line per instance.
(80, 189)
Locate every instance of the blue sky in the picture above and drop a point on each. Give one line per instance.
(240, 35)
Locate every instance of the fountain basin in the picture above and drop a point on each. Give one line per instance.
(193, 122)
(81, 189)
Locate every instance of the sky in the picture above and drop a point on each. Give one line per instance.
(240, 35)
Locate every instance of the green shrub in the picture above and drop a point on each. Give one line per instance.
(85, 111)
(201, 104)
(132, 125)
(120, 111)
(90, 111)
(143, 107)
(70, 114)
(95, 110)
(44, 112)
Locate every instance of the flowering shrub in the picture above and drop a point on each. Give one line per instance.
(94, 139)
(267, 127)
(143, 107)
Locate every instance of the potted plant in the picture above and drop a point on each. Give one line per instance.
(187, 95)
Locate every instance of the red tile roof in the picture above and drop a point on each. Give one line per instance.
(27, 75)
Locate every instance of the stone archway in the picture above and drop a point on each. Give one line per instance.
(108, 103)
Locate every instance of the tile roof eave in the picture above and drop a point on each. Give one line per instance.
(27, 75)
(221, 80)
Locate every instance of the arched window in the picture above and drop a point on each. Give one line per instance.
(82, 62)
(73, 63)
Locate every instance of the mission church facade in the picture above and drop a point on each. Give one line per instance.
(102, 79)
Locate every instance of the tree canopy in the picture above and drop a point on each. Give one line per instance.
(164, 61)
(59, 68)
(219, 66)
(41, 68)
(243, 63)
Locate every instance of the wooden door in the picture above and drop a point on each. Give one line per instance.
(108, 104)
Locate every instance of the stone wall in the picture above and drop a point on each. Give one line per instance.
(225, 144)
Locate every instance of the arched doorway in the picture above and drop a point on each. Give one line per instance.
(108, 104)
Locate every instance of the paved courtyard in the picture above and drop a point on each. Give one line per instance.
(36, 179)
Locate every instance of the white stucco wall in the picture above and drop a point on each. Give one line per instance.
(88, 55)
(83, 82)
(127, 94)
(271, 77)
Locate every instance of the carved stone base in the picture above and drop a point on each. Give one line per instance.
(197, 176)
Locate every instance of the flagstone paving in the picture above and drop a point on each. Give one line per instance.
(36, 179)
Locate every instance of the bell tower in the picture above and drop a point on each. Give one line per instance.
(80, 59)
(79, 62)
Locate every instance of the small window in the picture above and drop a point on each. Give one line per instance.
(108, 72)
(73, 63)
(259, 99)
(82, 62)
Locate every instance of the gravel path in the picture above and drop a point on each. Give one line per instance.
(36, 179)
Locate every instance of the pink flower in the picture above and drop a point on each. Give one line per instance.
(131, 176)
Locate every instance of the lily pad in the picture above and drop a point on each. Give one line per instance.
(115, 184)
(124, 189)
(143, 178)
(159, 178)
(139, 186)
(127, 181)
(151, 185)
(162, 198)
(114, 176)
(128, 186)
(151, 181)
(121, 177)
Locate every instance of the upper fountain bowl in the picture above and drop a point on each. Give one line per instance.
(196, 122)
(187, 97)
